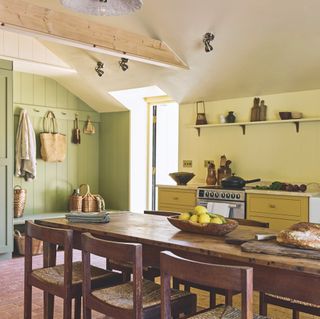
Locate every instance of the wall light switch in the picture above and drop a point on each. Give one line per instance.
(187, 163)
(206, 162)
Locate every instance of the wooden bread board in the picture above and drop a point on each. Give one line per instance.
(245, 233)
(273, 248)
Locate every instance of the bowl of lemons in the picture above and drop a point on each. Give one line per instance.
(202, 222)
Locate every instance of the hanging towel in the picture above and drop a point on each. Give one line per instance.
(25, 148)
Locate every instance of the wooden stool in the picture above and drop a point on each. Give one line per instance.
(136, 299)
(218, 276)
(65, 280)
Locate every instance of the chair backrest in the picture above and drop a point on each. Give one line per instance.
(161, 213)
(51, 237)
(250, 222)
(210, 275)
(120, 252)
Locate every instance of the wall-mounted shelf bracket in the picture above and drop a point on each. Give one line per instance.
(198, 130)
(297, 126)
(243, 129)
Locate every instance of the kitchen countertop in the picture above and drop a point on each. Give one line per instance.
(248, 190)
(281, 193)
(188, 186)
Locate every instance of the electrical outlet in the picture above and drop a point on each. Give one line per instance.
(187, 163)
(206, 162)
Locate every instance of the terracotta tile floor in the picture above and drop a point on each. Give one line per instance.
(11, 293)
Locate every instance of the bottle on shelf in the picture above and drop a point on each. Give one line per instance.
(255, 110)
(263, 111)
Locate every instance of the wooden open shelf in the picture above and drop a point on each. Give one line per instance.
(243, 125)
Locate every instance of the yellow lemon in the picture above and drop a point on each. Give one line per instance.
(194, 218)
(221, 217)
(216, 220)
(204, 219)
(184, 216)
(200, 210)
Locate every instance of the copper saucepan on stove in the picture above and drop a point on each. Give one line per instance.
(236, 182)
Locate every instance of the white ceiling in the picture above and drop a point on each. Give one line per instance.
(261, 47)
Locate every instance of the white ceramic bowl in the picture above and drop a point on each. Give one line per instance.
(296, 115)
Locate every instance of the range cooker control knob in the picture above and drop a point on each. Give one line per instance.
(211, 194)
(228, 195)
(233, 195)
(206, 194)
(216, 195)
(223, 195)
(238, 196)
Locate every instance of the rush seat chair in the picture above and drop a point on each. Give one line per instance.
(64, 281)
(136, 299)
(219, 276)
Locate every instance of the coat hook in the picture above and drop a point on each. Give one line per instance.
(35, 110)
(63, 113)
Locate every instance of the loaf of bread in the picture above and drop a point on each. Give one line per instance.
(302, 235)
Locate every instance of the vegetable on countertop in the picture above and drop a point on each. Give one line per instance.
(279, 186)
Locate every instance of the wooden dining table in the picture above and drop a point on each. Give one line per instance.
(296, 278)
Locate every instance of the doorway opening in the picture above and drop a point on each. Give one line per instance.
(164, 146)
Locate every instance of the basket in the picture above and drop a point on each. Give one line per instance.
(37, 245)
(19, 201)
(209, 229)
(75, 203)
(89, 201)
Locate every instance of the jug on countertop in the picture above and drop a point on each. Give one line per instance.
(211, 177)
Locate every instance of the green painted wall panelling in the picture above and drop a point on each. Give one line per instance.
(6, 158)
(50, 191)
(115, 159)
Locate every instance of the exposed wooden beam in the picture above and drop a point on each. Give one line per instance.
(75, 31)
(163, 99)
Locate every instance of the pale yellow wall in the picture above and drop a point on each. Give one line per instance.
(271, 152)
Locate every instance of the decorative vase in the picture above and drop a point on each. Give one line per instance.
(230, 118)
(211, 177)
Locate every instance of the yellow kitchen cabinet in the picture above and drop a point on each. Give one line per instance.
(177, 199)
(279, 211)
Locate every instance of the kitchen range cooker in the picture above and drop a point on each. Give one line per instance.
(234, 199)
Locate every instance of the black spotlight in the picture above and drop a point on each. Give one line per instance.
(123, 64)
(207, 38)
(99, 68)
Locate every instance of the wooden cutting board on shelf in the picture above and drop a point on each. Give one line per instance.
(245, 233)
(271, 247)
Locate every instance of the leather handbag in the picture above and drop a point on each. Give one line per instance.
(201, 117)
(53, 144)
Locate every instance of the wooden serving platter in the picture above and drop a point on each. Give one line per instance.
(244, 234)
(273, 248)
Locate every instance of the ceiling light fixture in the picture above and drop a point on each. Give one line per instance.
(99, 68)
(103, 7)
(207, 38)
(123, 64)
